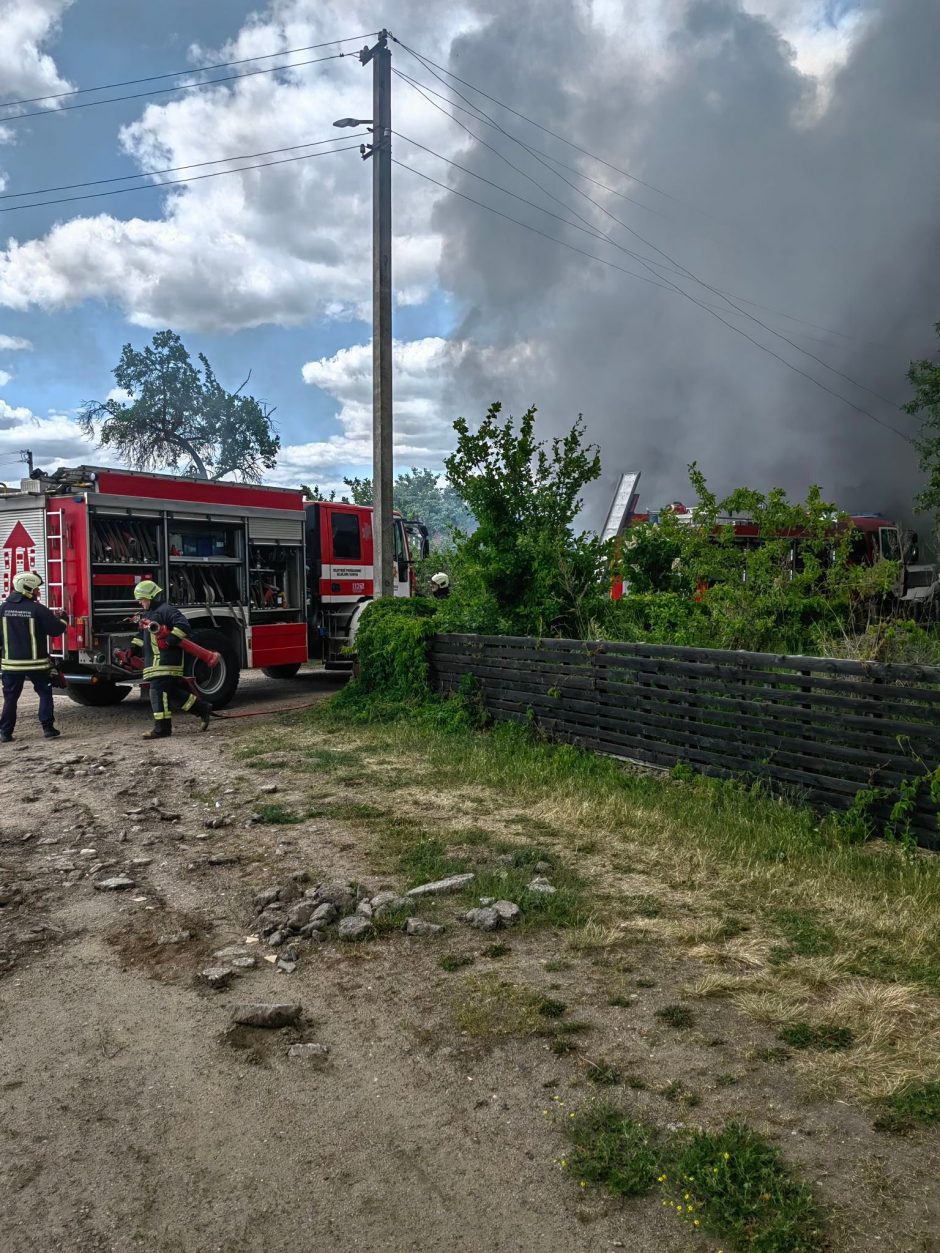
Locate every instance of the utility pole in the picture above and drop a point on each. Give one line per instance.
(26, 454)
(383, 538)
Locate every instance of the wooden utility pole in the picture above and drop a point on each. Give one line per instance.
(383, 538)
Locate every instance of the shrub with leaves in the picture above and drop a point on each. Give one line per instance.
(524, 570)
(697, 581)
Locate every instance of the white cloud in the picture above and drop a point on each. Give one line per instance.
(14, 343)
(25, 70)
(423, 410)
(4, 378)
(277, 245)
(54, 440)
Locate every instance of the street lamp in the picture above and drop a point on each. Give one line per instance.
(353, 121)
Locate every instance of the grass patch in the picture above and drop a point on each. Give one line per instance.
(740, 1191)
(454, 961)
(604, 1073)
(645, 983)
(488, 1007)
(828, 1037)
(562, 1044)
(678, 1016)
(636, 1082)
(731, 1184)
(621, 1002)
(553, 966)
(277, 814)
(614, 1151)
(773, 1054)
(427, 860)
(550, 1008)
(806, 935)
(917, 1105)
(497, 950)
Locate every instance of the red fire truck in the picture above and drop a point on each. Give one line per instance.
(268, 579)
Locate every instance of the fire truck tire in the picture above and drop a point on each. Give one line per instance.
(286, 671)
(218, 685)
(96, 695)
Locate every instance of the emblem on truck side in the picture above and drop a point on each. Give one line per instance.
(19, 554)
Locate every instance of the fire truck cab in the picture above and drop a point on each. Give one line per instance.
(267, 579)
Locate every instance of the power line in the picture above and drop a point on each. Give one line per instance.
(483, 116)
(174, 182)
(159, 91)
(196, 69)
(622, 269)
(426, 91)
(625, 173)
(174, 169)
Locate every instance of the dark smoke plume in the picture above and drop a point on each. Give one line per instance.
(821, 201)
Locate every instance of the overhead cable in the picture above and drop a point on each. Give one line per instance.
(671, 287)
(175, 182)
(159, 91)
(648, 263)
(174, 169)
(194, 69)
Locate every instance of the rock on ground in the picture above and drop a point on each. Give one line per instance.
(259, 1014)
(441, 887)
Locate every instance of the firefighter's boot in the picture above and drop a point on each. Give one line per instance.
(161, 731)
(203, 712)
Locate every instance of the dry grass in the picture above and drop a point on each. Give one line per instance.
(487, 1007)
(787, 925)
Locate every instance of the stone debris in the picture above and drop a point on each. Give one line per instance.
(316, 1053)
(120, 883)
(420, 927)
(542, 867)
(218, 977)
(272, 1016)
(508, 911)
(177, 937)
(388, 903)
(491, 917)
(441, 887)
(231, 953)
(483, 919)
(218, 821)
(244, 963)
(268, 789)
(541, 886)
(224, 859)
(354, 928)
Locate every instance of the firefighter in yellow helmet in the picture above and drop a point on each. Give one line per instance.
(162, 627)
(26, 627)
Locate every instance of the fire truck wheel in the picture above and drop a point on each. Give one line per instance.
(287, 671)
(96, 695)
(218, 685)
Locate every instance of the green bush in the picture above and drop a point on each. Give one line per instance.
(392, 657)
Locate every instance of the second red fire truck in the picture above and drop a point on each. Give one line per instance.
(267, 579)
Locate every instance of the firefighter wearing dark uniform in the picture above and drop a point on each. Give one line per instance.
(163, 666)
(26, 627)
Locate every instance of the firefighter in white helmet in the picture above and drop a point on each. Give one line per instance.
(440, 586)
(162, 628)
(26, 627)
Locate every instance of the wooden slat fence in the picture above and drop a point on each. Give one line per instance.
(816, 727)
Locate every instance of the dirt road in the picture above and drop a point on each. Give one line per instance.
(134, 1119)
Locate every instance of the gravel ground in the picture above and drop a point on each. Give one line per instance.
(134, 1118)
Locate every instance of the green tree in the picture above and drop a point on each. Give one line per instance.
(523, 570)
(924, 377)
(179, 417)
(420, 494)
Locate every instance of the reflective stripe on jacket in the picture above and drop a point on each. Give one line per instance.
(26, 627)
